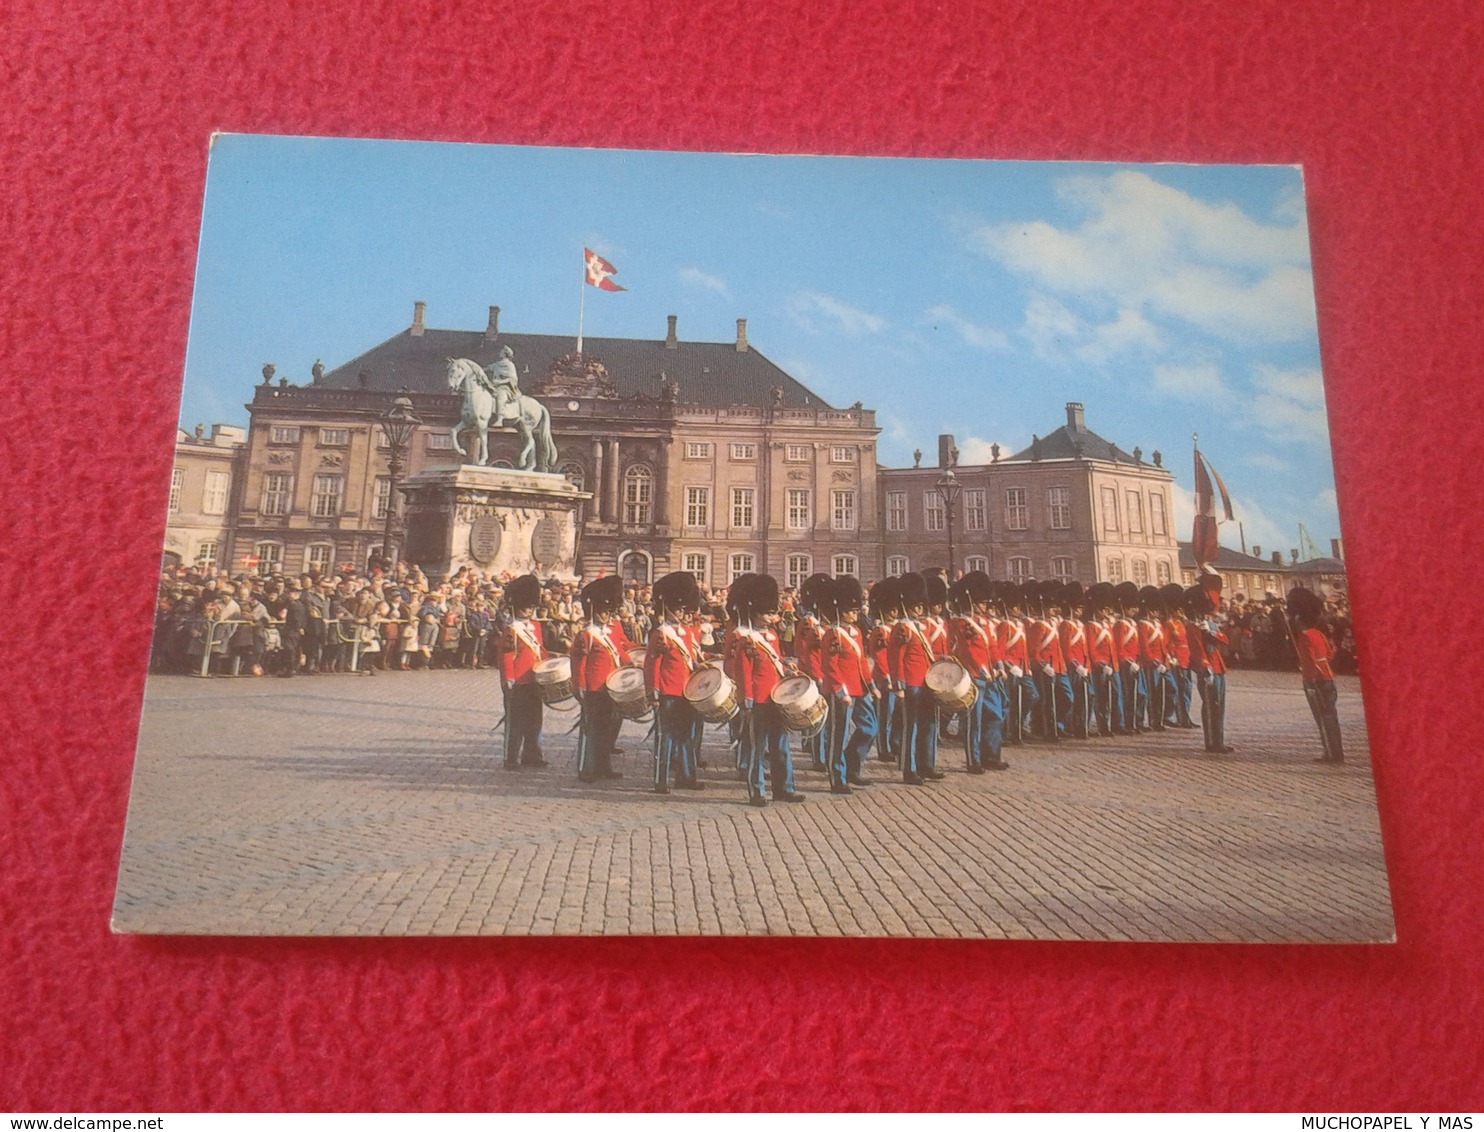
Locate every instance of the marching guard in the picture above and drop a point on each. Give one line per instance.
(1072, 633)
(1021, 697)
(1177, 644)
(977, 648)
(1153, 656)
(849, 686)
(1209, 666)
(597, 652)
(522, 647)
(815, 595)
(760, 668)
(1130, 675)
(1107, 688)
(668, 663)
(885, 609)
(1314, 655)
(911, 656)
(1050, 667)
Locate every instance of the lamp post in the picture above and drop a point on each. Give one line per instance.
(397, 425)
(948, 489)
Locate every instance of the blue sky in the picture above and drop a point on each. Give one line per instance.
(971, 297)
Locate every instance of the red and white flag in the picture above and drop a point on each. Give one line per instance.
(600, 272)
(1203, 544)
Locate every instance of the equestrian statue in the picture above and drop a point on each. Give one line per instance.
(492, 398)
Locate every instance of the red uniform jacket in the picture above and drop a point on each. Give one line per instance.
(521, 650)
(759, 664)
(880, 646)
(1074, 646)
(1045, 645)
(937, 635)
(668, 661)
(1205, 655)
(1100, 646)
(1152, 649)
(808, 639)
(976, 646)
(1177, 642)
(1013, 646)
(846, 665)
(912, 653)
(596, 652)
(1126, 640)
(1314, 653)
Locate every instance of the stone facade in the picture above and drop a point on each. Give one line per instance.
(204, 486)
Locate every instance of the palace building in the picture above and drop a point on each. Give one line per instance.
(204, 487)
(700, 456)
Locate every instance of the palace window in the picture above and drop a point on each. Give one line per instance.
(977, 562)
(842, 454)
(638, 493)
(334, 437)
(214, 501)
(842, 504)
(698, 450)
(1063, 569)
(177, 485)
(744, 451)
(1115, 569)
(697, 506)
(269, 556)
(797, 568)
(1135, 514)
(278, 493)
(318, 557)
(329, 491)
(896, 510)
(743, 508)
(1018, 569)
(382, 500)
(695, 563)
(1140, 572)
(976, 514)
(1157, 514)
(575, 474)
(798, 509)
(1162, 567)
(1017, 514)
(1059, 508)
(846, 564)
(440, 442)
(799, 452)
(206, 556)
(932, 510)
(896, 564)
(741, 564)
(283, 434)
(1110, 508)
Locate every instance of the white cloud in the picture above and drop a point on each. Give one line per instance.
(815, 310)
(698, 278)
(1130, 331)
(974, 333)
(977, 450)
(1147, 247)
(1289, 405)
(1256, 525)
(1057, 334)
(1195, 382)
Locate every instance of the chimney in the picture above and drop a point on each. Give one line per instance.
(1074, 417)
(1277, 558)
(670, 340)
(493, 329)
(945, 450)
(741, 336)
(419, 308)
(1256, 551)
(1336, 549)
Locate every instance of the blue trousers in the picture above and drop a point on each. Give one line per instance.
(1213, 709)
(1079, 714)
(1022, 700)
(985, 733)
(595, 735)
(1159, 692)
(674, 728)
(1135, 695)
(1107, 694)
(1324, 703)
(1183, 681)
(920, 728)
(888, 727)
(766, 740)
(1055, 694)
(857, 716)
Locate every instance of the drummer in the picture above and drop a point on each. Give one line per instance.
(668, 663)
(815, 595)
(597, 652)
(911, 656)
(977, 648)
(885, 609)
(521, 649)
(847, 683)
(760, 669)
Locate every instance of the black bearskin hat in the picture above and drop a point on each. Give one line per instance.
(979, 586)
(1305, 606)
(524, 592)
(913, 590)
(1198, 602)
(884, 597)
(1149, 598)
(815, 593)
(846, 592)
(1126, 594)
(602, 596)
(737, 592)
(677, 591)
(937, 587)
(1172, 597)
(761, 595)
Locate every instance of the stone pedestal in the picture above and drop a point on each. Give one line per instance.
(491, 519)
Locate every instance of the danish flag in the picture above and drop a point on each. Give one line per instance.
(1203, 544)
(600, 272)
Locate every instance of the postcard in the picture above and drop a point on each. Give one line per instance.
(607, 542)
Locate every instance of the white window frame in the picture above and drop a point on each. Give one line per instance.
(742, 563)
(896, 510)
(177, 486)
(744, 508)
(1162, 572)
(334, 438)
(976, 562)
(269, 555)
(440, 442)
(1059, 508)
(1017, 512)
(697, 506)
(1114, 568)
(278, 493)
(1018, 568)
(797, 567)
(697, 562)
(976, 512)
(800, 509)
(847, 564)
(897, 564)
(218, 489)
(934, 514)
(1157, 524)
(1108, 494)
(842, 509)
(576, 475)
(1063, 568)
(744, 451)
(698, 449)
(798, 453)
(283, 434)
(638, 495)
(1139, 572)
(312, 556)
(381, 497)
(1135, 511)
(842, 454)
(327, 499)
(206, 554)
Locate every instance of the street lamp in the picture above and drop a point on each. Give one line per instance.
(397, 426)
(948, 489)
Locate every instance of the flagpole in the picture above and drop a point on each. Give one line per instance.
(581, 303)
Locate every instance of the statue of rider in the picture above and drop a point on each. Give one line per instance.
(503, 383)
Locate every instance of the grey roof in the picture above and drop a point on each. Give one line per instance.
(1228, 559)
(1319, 566)
(712, 374)
(1066, 444)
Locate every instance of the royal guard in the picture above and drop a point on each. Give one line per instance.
(848, 683)
(731, 663)
(760, 668)
(1126, 640)
(1107, 688)
(669, 660)
(976, 646)
(1177, 649)
(1209, 667)
(815, 594)
(1021, 697)
(597, 652)
(884, 610)
(1315, 654)
(1048, 664)
(1153, 656)
(911, 656)
(1071, 632)
(522, 647)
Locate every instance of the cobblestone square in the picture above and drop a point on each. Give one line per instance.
(356, 805)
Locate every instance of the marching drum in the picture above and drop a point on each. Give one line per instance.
(802, 707)
(635, 656)
(950, 683)
(712, 694)
(625, 687)
(554, 679)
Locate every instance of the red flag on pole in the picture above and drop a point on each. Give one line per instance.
(1203, 543)
(600, 272)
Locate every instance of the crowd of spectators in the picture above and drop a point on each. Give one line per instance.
(400, 621)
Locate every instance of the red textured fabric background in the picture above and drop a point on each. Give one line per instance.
(104, 124)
